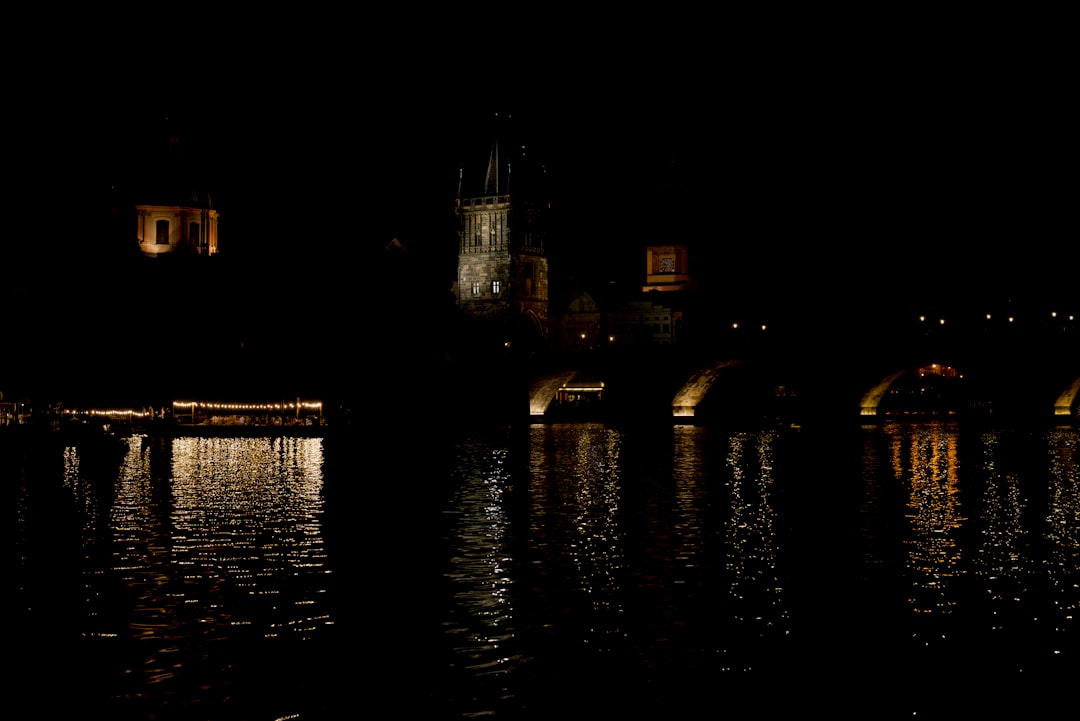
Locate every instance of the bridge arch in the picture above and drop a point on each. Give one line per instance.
(807, 388)
(1065, 402)
(871, 400)
(543, 390)
(693, 392)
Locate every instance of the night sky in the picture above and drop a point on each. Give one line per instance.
(932, 164)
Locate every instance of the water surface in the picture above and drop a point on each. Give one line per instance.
(915, 569)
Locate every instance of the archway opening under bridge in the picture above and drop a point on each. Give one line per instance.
(934, 388)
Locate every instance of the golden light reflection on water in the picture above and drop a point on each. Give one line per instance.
(993, 539)
(1063, 534)
(574, 482)
(611, 570)
(539, 512)
(195, 540)
(690, 502)
(756, 590)
(924, 458)
(1000, 561)
(247, 512)
(481, 626)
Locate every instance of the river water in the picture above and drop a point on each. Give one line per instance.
(892, 570)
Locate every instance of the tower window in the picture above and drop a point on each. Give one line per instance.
(193, 234)
(494, 287)
(162, 237)
(476, 288)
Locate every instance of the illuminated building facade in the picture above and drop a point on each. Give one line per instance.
(667, 268)
(502, 273)
(189, 224)
(173, 210)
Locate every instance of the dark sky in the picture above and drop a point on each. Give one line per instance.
(798, 155)
(930, 160)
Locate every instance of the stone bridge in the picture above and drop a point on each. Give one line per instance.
(816, 381)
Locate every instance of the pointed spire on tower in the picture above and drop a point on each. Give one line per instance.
(491, 183)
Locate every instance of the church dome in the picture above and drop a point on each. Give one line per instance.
(173, 206)
(174, 191)
(173, 174)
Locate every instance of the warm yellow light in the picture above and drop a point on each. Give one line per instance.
(762, 326)
(1010, 319)
(247, 406)
(735, 325)
(941, 321)
(922, 318)
(110, 412)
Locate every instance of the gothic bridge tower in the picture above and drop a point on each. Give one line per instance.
(502, 219)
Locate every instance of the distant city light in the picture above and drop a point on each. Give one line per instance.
(109, 412)
(305, 405)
